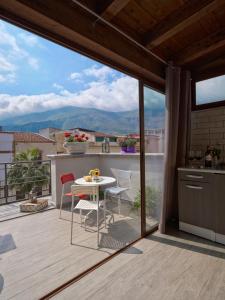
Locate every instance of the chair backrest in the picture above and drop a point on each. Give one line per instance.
(91, 190)
(67, 178)
(123, 177)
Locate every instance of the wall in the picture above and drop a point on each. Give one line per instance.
(208, 128)
(46, 148)
(81, 164)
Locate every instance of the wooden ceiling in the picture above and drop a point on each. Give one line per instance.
(189, 33)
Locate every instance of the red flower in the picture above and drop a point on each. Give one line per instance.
(67, 134)
(87, 138)
(83, 135)
(76, 135)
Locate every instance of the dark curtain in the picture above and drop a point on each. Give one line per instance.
(177, 137)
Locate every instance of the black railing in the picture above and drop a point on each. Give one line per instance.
(18, 178)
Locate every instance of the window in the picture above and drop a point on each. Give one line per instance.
(210, 92)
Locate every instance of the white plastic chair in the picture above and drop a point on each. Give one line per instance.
(90, 205)
(123, 183)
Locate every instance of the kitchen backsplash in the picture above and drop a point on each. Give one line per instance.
(208, 128)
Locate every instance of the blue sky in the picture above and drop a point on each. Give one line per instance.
(38, 75)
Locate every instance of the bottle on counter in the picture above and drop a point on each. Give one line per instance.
(208, 158)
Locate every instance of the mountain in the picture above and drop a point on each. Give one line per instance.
(90, 118)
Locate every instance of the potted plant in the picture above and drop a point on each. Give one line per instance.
(131, 145)
(123, 144)
(28, 174)
(75, 143)
(152, 198)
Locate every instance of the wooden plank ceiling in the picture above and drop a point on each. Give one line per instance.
(190, 33)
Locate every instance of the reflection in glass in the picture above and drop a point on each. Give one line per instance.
(154, 113)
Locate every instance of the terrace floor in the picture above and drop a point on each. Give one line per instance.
(161, 267)
(36, 255)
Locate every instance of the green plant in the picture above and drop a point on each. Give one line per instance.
(216, 153)
(131, 142)
(152, 197)
(122, 142)
(28, 172)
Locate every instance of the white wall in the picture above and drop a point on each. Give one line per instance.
(81, 164)
(6, 145)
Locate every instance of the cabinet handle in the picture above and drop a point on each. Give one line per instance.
(195, 176)
(195, 187)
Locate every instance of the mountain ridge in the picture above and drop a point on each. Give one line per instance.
(91, 118)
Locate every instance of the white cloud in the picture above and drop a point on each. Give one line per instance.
(7, 70)
(210, 90)
(119, 95)
(12, 54)
(57, 86)
(33, 62)
(100, 73)
(8, 39)
(29, 39)
(6, 65)
(75, 75)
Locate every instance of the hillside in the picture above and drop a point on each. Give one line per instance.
(95, 119)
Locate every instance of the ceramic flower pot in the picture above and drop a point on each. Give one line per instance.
(76, 147)
(124, 149)
(131, 149)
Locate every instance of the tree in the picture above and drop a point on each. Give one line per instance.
(28, 172)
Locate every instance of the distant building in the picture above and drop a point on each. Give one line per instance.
(12, 142)
(154, 140)
(95, 138)
(49, 132)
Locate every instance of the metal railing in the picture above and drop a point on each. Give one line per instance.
(18, 178)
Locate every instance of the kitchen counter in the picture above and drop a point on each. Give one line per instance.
(203, 170)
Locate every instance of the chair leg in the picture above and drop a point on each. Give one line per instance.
(60, 210)
(104, 207)
(81, 217)
(119, 204)
(72, 209)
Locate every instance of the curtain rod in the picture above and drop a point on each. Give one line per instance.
(118, 30)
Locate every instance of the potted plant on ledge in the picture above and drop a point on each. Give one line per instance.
(131, 143)
(75, 143)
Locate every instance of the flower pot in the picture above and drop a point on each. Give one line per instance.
(131, 149)
(124, 149)
(76, 147)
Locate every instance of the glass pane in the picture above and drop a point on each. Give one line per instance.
(154, 113)
(211, 90)
(80, 116)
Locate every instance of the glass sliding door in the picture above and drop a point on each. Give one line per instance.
(154, 132)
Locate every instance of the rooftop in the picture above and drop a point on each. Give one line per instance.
(28, 137)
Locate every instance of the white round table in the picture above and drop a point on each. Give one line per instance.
(105, 181)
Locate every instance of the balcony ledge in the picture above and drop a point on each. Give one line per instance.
(65, 155)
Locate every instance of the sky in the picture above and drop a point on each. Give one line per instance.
(38, 75)
(210, 90)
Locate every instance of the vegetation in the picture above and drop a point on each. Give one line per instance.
(152, 196)
(131, 142)
(28, 172)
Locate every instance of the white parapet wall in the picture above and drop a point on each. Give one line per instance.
(80, 165)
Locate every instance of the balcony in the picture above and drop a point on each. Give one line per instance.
(37, 247)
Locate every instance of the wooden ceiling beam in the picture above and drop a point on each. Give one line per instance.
(113, 8)
(206, 46)
(186, 15)
(67, 24)
(207, 73)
